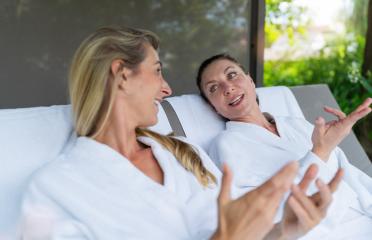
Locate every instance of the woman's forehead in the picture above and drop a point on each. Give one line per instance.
(217, 68)
(151, 54)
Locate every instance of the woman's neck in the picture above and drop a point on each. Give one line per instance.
(259, 118)
(120, 135)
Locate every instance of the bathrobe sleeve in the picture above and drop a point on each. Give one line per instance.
(311, 158)
(246, 158)
(360, 182)
(43, 218)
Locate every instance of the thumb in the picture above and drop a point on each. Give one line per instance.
(319, 125)
(224, 196)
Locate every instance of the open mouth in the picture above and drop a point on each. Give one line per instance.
(237, 100)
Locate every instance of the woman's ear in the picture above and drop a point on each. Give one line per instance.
(117, 67)
(120, 72)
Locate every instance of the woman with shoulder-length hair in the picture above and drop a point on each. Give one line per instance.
(122, 181)
(256, 144)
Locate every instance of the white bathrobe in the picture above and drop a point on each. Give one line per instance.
(93, 192)
(254, 154)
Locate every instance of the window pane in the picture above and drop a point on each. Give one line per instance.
(39, 38)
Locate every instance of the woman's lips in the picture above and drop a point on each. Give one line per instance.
(236, 101)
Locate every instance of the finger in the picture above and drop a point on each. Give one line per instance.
(273, 201)
(319, 125)
(324, 194)
(281, 180)
(332, 122)
(309, 176)
(338, 113)
(298, 210)
(306, 203)
(364, 105)
(356, 115)
(224, 196)
(333, 184)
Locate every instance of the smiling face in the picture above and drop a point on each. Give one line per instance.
(229, 90)
(145, 88)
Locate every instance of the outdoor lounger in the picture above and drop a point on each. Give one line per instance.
(30, 137)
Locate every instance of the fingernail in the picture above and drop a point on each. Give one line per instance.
(320, 182)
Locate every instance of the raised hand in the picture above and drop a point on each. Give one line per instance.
(251, 216)
(301, 212)
(326, 136)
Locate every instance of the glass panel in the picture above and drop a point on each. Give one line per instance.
(39, 37)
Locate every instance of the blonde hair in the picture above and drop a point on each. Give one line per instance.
(92, 95)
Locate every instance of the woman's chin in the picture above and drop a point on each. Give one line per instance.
(150, 123)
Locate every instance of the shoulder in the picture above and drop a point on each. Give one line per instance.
(297, 123)
(225, 137)
(52, 174)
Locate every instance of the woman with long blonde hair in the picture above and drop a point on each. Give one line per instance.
(122, 181)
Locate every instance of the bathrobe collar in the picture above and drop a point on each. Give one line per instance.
(113, 162)
(287, 141)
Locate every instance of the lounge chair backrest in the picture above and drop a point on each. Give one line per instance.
(201, 123)
(311, 99)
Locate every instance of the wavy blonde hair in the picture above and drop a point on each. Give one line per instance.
(92, 95)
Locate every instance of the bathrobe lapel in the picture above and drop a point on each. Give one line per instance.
(178, 199)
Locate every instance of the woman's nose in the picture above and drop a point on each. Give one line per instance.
(165, 89)
(228, 89)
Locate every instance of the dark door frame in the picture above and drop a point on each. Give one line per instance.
(256, 39)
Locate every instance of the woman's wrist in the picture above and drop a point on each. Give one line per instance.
(324, 155)
(278, 234)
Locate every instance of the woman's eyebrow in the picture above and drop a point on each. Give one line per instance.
(159, 62)
(209, 82)
(227, 69)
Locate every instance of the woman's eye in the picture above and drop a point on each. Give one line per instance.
(158, 70)
(231, 75)
(213, 88)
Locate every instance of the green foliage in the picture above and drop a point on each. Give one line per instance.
(283, 17)
(337, 65)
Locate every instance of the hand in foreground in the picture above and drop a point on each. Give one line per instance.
(251, 216)
(302, 213)
(326, 136)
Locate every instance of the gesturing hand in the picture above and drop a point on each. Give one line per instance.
(301, 212)
(251, 216)
(326, 136)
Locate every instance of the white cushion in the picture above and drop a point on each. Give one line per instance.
(29, 138)
(201, 123)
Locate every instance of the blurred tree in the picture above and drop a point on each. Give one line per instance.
(356, 22)
(365, 127)
(367, 60)
(283, 17)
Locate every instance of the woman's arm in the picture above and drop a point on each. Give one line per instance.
(302, 213)
(251, 216)
(326, 136)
